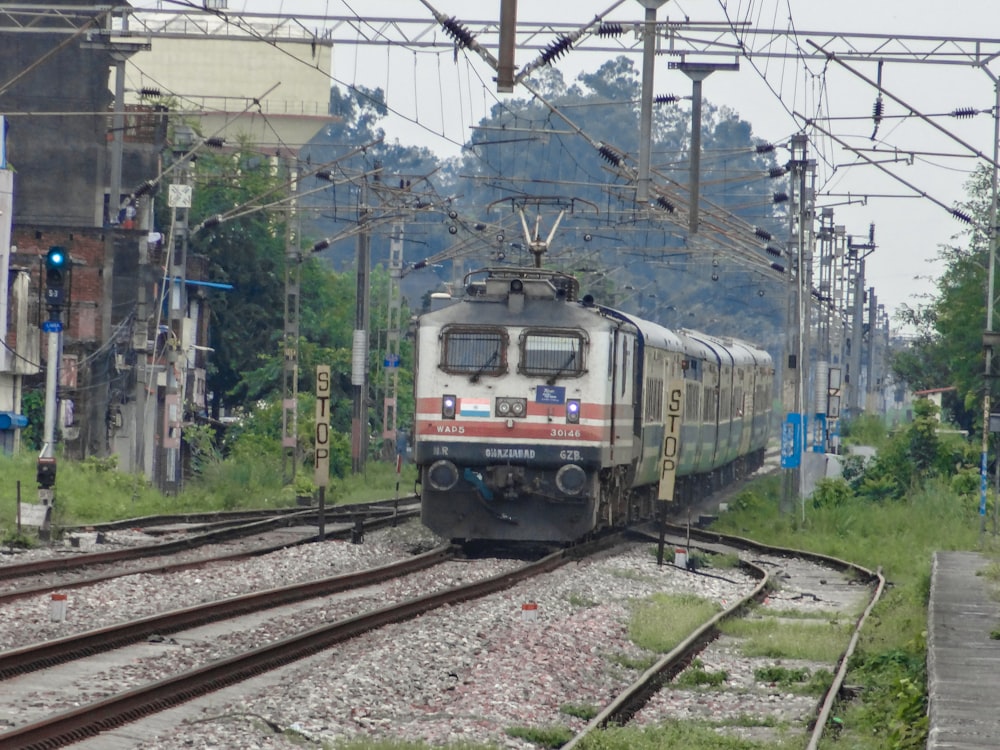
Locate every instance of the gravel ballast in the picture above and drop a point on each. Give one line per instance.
(465, 673)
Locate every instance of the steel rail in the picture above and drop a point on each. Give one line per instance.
(192, 541)
(80, 645)
(635, 696)
(92, 719)
(340, 532)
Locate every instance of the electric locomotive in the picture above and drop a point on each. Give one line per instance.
(544, 417)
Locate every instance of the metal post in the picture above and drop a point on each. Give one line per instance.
(172, 415)
(694, 180)
(697, 72)
(988, 338)
(51, 394)
(797, 334)
(508, 42)
(390, 410)
(646, 106)
(871, 378)
(359, 350)
(290, 370)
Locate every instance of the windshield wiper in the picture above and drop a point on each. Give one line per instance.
(569, 360)
(482, 368)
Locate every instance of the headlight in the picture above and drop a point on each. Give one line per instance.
(573, 411)
(571, 479)
(511, 407)
(448, 407)
(442, 475)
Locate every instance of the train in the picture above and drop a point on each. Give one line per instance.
(544, 417)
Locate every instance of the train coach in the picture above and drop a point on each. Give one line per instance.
(544, 417)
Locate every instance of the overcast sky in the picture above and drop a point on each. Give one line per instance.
(452, 95)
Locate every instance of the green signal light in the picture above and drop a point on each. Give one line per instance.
(55, 259)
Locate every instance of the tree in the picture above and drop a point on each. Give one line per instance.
(947, 350)
(247, 252)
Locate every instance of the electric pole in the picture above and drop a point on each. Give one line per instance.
(359, 348)
(290, 367)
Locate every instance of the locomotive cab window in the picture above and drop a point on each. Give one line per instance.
(474, 351)
(554, 354)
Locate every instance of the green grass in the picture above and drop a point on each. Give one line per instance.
(779, 639)
(662, 621)
(898, 536)
(686, 735)
(93, 490)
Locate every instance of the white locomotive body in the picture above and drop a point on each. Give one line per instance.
(540, 417)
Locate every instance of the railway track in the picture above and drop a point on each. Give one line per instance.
(637, 695)
(89, 720)
(82, 645)
(639, 698)
(39, 576)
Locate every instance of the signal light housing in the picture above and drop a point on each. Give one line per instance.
(448, 403)
(56, 261)
(573, 411)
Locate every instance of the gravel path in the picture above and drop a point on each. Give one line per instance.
(467, 673)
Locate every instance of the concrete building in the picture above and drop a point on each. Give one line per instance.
(85, 155)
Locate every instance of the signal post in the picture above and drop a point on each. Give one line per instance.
(56, 268)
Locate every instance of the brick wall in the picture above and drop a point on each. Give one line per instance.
(85, 294)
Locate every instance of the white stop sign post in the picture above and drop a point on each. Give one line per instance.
(321, 477)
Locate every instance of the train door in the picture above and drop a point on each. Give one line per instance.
(623, 395)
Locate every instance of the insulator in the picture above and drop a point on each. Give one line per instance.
(764, 148)
(610, 156)
(775, 172)
(877, 108)
(772, 250)
(149, 92)
(212, 221)
(462, 36)
(324, 174)
(144, 188)
(556, 49)
(964, 112)
(420, 264)
(778, 267)
(762, 233)
(666, 99)
(961, 216)
(321, 245)
(215, 142)
(453, 214)
(610, 29)
(480, 226)
(779, 197)
(665, 204)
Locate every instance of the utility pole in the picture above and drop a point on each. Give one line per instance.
(857, 252)
(390, 413)
(646, 105)
(179, 194)
(793, 435)
(359, 348)
(871, 378)
(697, 72)
(56, 267)
(290, 367)
(990, 338)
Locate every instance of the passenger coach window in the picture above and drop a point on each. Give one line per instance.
(556, 354)
(474, 351)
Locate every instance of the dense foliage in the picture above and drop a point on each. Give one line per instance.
(948, 347)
